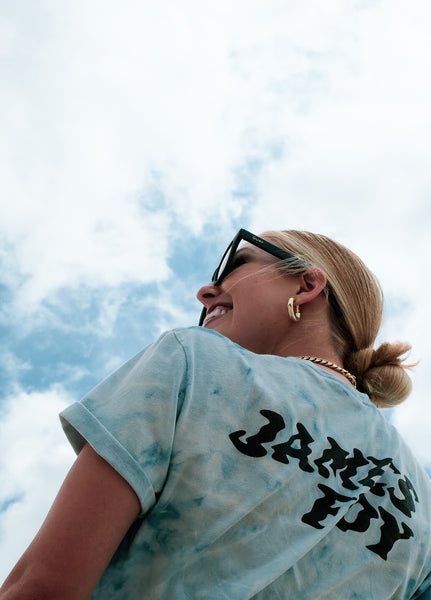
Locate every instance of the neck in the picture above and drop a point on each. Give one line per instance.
(312, 336)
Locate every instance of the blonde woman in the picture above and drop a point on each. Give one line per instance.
(246, 458)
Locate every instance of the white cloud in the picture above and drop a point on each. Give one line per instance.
(91, 126)
(412, 417)
(107, 114)
(34, 459)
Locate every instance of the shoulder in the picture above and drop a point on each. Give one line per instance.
(178, 350)
(199, 341)
(198, 335)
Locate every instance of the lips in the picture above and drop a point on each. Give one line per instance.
(216, 311)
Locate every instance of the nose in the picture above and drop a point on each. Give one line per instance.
(207, 292)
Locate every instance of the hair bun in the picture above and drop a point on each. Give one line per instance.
(381, 373)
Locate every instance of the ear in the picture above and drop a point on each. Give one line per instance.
(312, 282)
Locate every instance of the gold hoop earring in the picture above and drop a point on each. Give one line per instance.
(295, 315)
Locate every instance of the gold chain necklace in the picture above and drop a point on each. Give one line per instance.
(331, 365)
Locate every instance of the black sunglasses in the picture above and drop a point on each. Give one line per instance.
(227, 262)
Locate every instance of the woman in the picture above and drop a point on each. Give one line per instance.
(246, 458)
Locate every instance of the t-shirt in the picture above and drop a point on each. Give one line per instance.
(259, 477)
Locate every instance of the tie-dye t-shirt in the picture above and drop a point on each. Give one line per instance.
(259, 477)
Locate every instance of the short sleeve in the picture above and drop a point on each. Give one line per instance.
(129, 419)
(424, 591)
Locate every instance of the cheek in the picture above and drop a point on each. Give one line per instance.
(259, 311)
(263, 294)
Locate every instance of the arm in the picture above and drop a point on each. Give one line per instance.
(91, 514)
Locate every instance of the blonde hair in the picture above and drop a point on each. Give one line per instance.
(356, 305)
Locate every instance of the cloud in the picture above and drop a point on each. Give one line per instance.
(410, 418)
(34, 459)
(94, 180)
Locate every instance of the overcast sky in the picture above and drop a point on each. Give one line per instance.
(136, 137)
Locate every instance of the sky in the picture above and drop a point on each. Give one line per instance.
(137, 137)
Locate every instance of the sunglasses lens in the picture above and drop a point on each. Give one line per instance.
(221, 270)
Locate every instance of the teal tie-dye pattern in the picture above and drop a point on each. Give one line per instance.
(259, 477)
